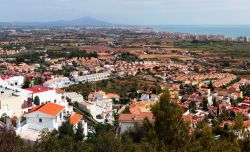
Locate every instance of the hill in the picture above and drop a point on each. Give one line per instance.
(83, 21)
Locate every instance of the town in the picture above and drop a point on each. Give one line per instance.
(113, 76)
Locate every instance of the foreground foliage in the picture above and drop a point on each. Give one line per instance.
(168, 133)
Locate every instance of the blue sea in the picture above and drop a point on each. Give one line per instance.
(227, 30)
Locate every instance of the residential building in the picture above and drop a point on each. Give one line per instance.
(46, 116)
(139, 111)
(100, 106)
(11, 105)
(13, 80)
(45, 94)
(60, 82)
(77, 118)
(92, 77)
(73, 97)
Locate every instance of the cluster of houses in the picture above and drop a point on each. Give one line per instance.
(100, 106)
(46, 106)
(48, 112)
(8, 52)
(138, 112)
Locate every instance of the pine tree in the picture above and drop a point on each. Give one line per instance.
(169, 125)
(26, 84)
(66, 129)
(37, 100)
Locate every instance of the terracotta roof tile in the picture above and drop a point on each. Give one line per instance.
(75, 118)
(48, 108)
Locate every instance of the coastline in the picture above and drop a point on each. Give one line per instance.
(232, 31)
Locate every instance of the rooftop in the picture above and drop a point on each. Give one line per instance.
(75, 118)
(136, 118)
(48, 108)
(38, 89)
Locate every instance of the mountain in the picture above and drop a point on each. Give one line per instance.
(88, 21)
(84, 21)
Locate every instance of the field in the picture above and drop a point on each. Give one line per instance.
(164, 56)
(236, 49)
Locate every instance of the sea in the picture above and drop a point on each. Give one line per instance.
(227, 30)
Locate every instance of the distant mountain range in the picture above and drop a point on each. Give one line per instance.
(84, 21)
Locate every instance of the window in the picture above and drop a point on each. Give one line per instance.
(40, 120)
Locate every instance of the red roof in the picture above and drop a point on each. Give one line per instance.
(136, 118)
(5, 77)
(48, 108)
(75, 118)
(59, 91)
(38, 89)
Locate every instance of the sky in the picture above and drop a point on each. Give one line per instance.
(134, 12)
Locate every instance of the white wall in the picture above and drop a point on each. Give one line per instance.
(50, 95)
(48, 121)
(11, 105)
(125, 126)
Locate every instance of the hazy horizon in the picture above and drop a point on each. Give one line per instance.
(168, 24)
(131, 12)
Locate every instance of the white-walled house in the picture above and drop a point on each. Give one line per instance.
(13, 80)
(12, 99)
(128, 121)
(45, 94)
(92, 77)
(73, 96)
(47, 116)
(11, 105)
(60, 82)
(77, 118)
(100, 106)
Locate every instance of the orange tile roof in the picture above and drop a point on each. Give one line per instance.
(110, 95)
(136, 118)
(51, 109)
(75, 118)
(48, 108)
(126, 117)
(136, 108)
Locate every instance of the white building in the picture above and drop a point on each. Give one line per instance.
(128, 121)
(47, 116)
(73, 96)
(77, 118)
(248, 39)
(92, 77)
(100, 110)
(12, 99)
(100, 106)
(13, 80)
(58, 82)
(11, 105)
(45, 94)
